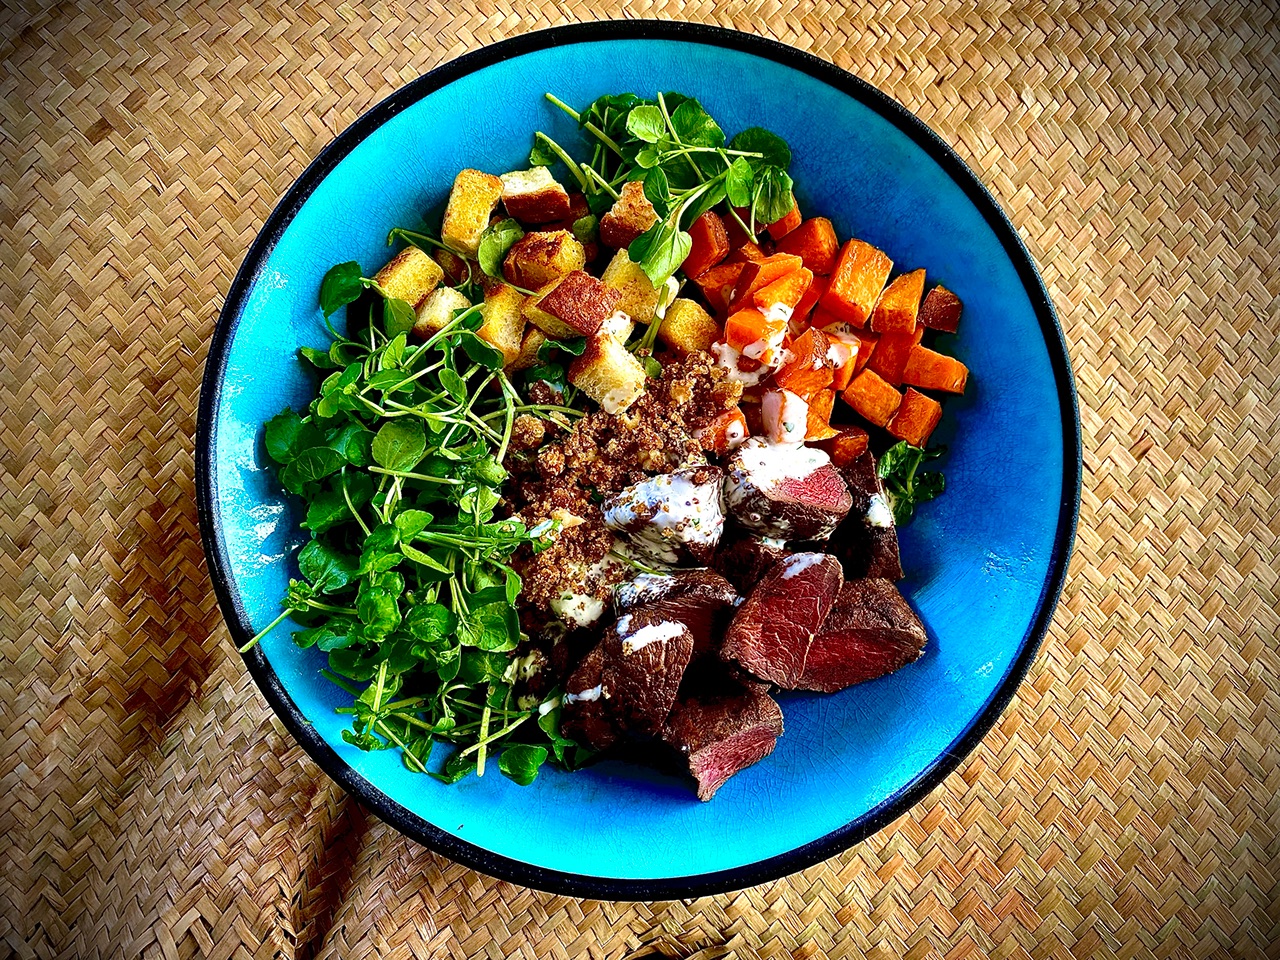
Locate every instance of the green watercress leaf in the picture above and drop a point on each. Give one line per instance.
(399, 444)
(759, 140)
(341, 285)
(520, 762)
(282, 435)
(694, 126)
(496, 240)
(398, 317)
(645, 123)
(738, 182)
(327, 568)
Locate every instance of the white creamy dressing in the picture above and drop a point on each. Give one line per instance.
(587, 696)
(580, 609)
(727, 359)
(524, 668)
(672, 511)
(617, 399)
(798, 563)
(878, 512)
(526, 701)
(654, 633)
(779, 313)
(786, 416)
(547, 706)
(645, 588)
(734, 434)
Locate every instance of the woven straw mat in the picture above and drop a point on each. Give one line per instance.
(1124, 806)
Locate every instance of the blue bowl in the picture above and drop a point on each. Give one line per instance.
(984, 564)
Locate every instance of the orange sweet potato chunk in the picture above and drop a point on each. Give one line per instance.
(789, 288)
(856, 281)
(899, 304)
(780, 228)
(941, 310)
(820, 407)
(800, 316)
(745, 253)
(724, 432)
(872, 397)
(934, 371)
(814, 242)
(749, 326)
(847, 445)
(710, 244)
(916, 417)
(717, 283)
(757, 275)
(810, 369)
(890, 356)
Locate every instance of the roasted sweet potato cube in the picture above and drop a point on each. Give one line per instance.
(540, 257)
(788, 289)
(866, 350)
(934, 371)
(745, 253)
(847, 445)
(890, 356)
(687, 328)
(941, 310)
(753, 333)
(471, 201)
(810, 368)
(717, 284)
(631, 215)
(737, 235)
(872, 397)
(899, 304)
(916, 417)
(820, 407)
(534, 196)
(814, 242)
(608, 373)
(504, 321)
(639, 298)
(785, 224)
(843, 353)
(804, 309)
(724, 433)
(856, 282)
(710, 244)
(758, 274)
(410, 275)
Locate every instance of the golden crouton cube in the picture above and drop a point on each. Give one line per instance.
(529, 347)
(608, 373)
(553, 327)
(631, 215)
(580, 302)
(456, 270)
(409, 276)
(503, 325)
(472, 199)
(437, 310)
(639, 298)
(538, 258)
(533, 196)
(687, 328)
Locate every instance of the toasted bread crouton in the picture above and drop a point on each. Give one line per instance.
(529, 347)
(409, 276)
(618, 324)
(574, 306)
(437, 310)
(608, 374)
(472, 199)
(537, 317)
(639, 297)
(456, 270)
(503, 325)
(687, 328)
(631, 215)
(538, 258)
(533, 196)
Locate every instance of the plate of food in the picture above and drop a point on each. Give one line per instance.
(638, 460)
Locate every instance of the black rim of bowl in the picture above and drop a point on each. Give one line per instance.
(516, 871)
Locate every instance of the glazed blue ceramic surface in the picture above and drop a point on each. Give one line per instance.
(983, 564)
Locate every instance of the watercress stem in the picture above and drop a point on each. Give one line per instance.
(415, 476)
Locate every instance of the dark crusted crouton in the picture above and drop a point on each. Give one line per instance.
(608, 373)
(631, 215)
(538, 258)
(533, 196)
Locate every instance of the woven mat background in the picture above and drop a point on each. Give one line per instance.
(1126, 805)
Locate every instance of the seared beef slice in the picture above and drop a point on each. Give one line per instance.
(867, 541)
(723, 730)
(784, 491)
(701, 599)
(743, 558)
(871, 631)
(771, 632)
(585, 715)
(645, 655)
